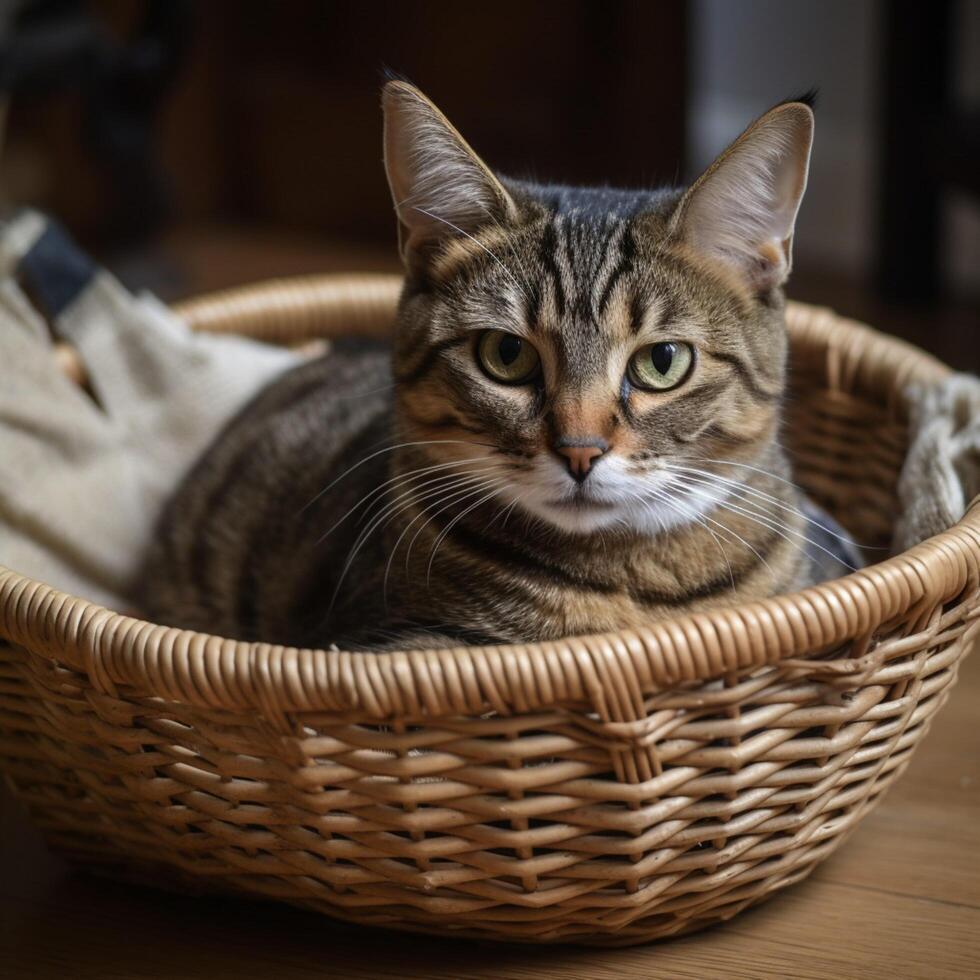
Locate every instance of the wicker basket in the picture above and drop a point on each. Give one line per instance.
(607, 789)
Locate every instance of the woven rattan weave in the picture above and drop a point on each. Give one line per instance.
(607, 789)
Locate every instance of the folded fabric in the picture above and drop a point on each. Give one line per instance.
(84, 474)
(941, 474)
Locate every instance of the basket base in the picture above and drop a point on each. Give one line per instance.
(657, 927)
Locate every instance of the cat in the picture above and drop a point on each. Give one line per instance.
(574, 430)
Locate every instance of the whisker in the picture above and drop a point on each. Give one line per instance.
(496, 258)
(391, 508)
(509, 238)
(431, 518)
(390, 449)
(701, 523)
(411, 475)
(507, 511)
(408, 479)
(776, 476)
(755, 469)
(364, 394)
(780, 527)
(480, 481)
(699, 520)
(712, 479)
(445, 531)
(388, 514)
(724, 528)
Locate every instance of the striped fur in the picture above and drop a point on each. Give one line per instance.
(404, 498)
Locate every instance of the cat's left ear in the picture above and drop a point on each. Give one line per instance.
(742, 209)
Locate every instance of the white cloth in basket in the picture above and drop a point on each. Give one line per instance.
(83, 478)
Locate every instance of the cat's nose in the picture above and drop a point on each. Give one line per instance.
(581, 454)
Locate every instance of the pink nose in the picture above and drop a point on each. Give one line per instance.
(580, 453)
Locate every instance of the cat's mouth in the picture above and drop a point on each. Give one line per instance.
(581, 502)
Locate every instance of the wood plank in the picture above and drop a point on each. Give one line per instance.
(820, 930)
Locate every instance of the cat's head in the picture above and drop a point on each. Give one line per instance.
(580, 345)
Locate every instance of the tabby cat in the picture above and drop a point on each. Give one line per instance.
(575, 429)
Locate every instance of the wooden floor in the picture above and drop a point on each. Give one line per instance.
(901, 899)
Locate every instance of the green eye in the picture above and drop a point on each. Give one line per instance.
(661, 366)
(507, 357)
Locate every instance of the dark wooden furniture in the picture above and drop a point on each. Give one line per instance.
(929, 144)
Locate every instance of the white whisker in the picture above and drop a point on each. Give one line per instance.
(411, 475)
(433, 516)
(445, 531)
(388, 514)
(665, 498)
(465, 234)
(381, 452)
(779, 527)
(391, 508)
(712, 479)
(727, 530)
(471, 485)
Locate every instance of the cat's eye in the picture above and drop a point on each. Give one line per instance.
(507, 358)
(661, 366)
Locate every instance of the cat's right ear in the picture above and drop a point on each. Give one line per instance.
(440, 187)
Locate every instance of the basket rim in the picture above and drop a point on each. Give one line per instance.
(609, 671)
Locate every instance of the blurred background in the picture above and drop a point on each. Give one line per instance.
(193, 146)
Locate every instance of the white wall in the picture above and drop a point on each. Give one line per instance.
(749, 54)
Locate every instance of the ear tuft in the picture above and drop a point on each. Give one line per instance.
(808, 98)
(440, 187)
(742, 210)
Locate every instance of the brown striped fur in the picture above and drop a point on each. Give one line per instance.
(424, 503)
